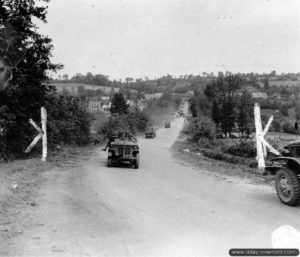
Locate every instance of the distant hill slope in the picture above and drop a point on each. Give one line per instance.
(281, 83)
(74, 87)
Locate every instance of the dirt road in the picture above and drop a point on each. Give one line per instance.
(166, 208)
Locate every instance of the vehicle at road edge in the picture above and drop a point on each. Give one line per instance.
(286, 169)
(167, 124)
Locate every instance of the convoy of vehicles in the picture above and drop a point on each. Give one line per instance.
(286, 167)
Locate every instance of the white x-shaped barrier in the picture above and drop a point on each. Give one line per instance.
(261, 143)
(42, 134)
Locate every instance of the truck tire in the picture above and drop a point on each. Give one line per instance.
(137, 162)
(287, 186)
(109, 163)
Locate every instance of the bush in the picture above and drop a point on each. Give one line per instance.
(202, 128)
(68, 122)
(205, 142)
(275, 126)
(138, 120)
(288, 128)
(131, 122)
(223, 157)
(245, 148)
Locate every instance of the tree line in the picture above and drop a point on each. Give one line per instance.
(25, 57)
(225, 104)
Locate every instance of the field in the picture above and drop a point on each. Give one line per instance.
(74, 86)
(281, 83)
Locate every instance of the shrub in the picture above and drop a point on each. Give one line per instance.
(245, 148)
(202, 128)
(205, 142)
(115, 124)
(275, 126)
(68, 122)
(288, 128)
(138, 120)
(133, 121)
(218, 155)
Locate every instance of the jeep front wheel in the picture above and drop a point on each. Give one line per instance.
(109, 162)
(137, 162)
(287, 186)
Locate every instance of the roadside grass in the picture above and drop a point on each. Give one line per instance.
(212, 159)
(214, 156)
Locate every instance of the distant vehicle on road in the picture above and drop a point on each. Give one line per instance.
(167, 124)
(150, 133)
(286, 169)
(124, 150)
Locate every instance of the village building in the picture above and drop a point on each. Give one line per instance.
(95, 106)
(259, 95)
(153, 96)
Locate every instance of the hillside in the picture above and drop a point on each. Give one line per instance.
(74, 87)
(281, 83)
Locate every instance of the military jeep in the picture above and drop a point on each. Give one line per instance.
(150, 133)
(167, 124)
(286, 169)
(123, 151)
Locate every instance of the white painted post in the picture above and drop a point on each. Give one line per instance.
(259, 145)
(44, 129)
(42, 134)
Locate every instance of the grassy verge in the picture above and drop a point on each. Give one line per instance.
(20, 181)
(217, 162)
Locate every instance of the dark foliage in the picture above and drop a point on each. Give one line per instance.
(118, 104)
(26, 54)
(131, 122)
(245, 109)
(201, 128)
(68, 122)
(245, 148)
(199, 104)
(222, 94)
(288, 127)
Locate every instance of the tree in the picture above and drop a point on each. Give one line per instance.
(284, 109)
(220, 74)
(128, 80)
(222, 93)
(266, 83)
(199, 104)
(65, 77)
(297, 110)
(27, 53)
(118, 104)
(245, 118)
(89, 78)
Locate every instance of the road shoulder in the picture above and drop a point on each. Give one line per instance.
(184, 153)
(21, 183)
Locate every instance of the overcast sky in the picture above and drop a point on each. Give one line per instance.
(138, 38)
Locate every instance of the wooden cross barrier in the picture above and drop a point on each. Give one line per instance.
(42, 134)
(261, 143)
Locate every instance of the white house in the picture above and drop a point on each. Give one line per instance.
(95, 106)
